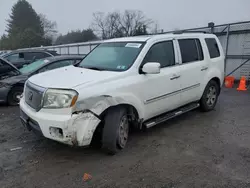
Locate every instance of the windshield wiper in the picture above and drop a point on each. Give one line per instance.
(94, 68)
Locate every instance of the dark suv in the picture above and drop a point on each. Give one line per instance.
(19, 58)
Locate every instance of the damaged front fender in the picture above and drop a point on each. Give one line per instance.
(85, 118)
(83, 127)
(99, 104)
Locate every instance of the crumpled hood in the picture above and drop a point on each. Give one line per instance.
(70, 77)
(15, 79)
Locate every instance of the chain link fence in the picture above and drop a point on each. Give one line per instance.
(72, 49)
(234, 37)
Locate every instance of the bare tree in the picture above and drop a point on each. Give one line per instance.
(132, 21)
(49, 27)
(116, 24)
(106, 25)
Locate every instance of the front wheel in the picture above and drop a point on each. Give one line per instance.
(116, 130)
(210, 96)
(15, 95)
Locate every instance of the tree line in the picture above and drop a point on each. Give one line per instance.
(26, 28)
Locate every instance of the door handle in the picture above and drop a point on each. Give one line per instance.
(204, 68)
(175, 77)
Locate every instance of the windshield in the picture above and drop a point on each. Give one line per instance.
(32, 67)
(113, 56)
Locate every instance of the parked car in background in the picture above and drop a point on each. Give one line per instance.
(11, 88)
(7, 69)
(4, 52)
(19, 58)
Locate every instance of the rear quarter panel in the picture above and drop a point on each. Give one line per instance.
(215, 65)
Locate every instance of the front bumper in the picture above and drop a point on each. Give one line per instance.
(4, 93)
(76, 129)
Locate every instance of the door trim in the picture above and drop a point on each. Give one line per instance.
(171, 94)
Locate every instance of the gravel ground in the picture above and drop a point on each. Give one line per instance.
(194, 150)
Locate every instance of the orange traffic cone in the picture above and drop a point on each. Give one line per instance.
(242, 85)
(229, 81)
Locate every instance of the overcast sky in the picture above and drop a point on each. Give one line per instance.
(169, 14)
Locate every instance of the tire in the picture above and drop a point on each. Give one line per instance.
(115, 131)
(12, 98)
(210, 96)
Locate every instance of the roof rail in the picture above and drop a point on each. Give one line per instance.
(185, 31)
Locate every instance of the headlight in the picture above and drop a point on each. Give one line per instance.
(59, 98)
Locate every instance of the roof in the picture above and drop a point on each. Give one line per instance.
(28, 50)
(141, 38)
(144, 38)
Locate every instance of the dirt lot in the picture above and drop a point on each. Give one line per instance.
(194, 150)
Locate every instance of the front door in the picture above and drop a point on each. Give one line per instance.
(160, 92)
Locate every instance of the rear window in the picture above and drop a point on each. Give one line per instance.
(212, 47)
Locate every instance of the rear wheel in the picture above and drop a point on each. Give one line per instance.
(115, 131)
(210, 96)
(15, 95)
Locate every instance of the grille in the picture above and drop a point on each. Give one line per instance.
(33, 95)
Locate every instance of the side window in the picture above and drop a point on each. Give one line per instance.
(162, 53)
(212, 47)
(58, 64)
(191, 50)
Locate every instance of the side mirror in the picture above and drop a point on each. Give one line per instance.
(151, 68)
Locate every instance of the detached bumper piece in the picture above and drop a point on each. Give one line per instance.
(29, 123)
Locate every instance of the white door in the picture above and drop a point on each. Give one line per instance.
(160, 92)
(192, 69)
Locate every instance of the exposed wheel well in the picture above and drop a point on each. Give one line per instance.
(132, 112)
(217, 80)
(133, 116)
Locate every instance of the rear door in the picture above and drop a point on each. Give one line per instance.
(192, 67)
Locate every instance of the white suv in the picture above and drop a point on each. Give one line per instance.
(123, 83)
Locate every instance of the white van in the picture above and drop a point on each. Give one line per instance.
(124, 82)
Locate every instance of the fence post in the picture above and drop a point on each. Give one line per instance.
(211, 25)
(226, 50)
(77, 49)
(68, 50)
